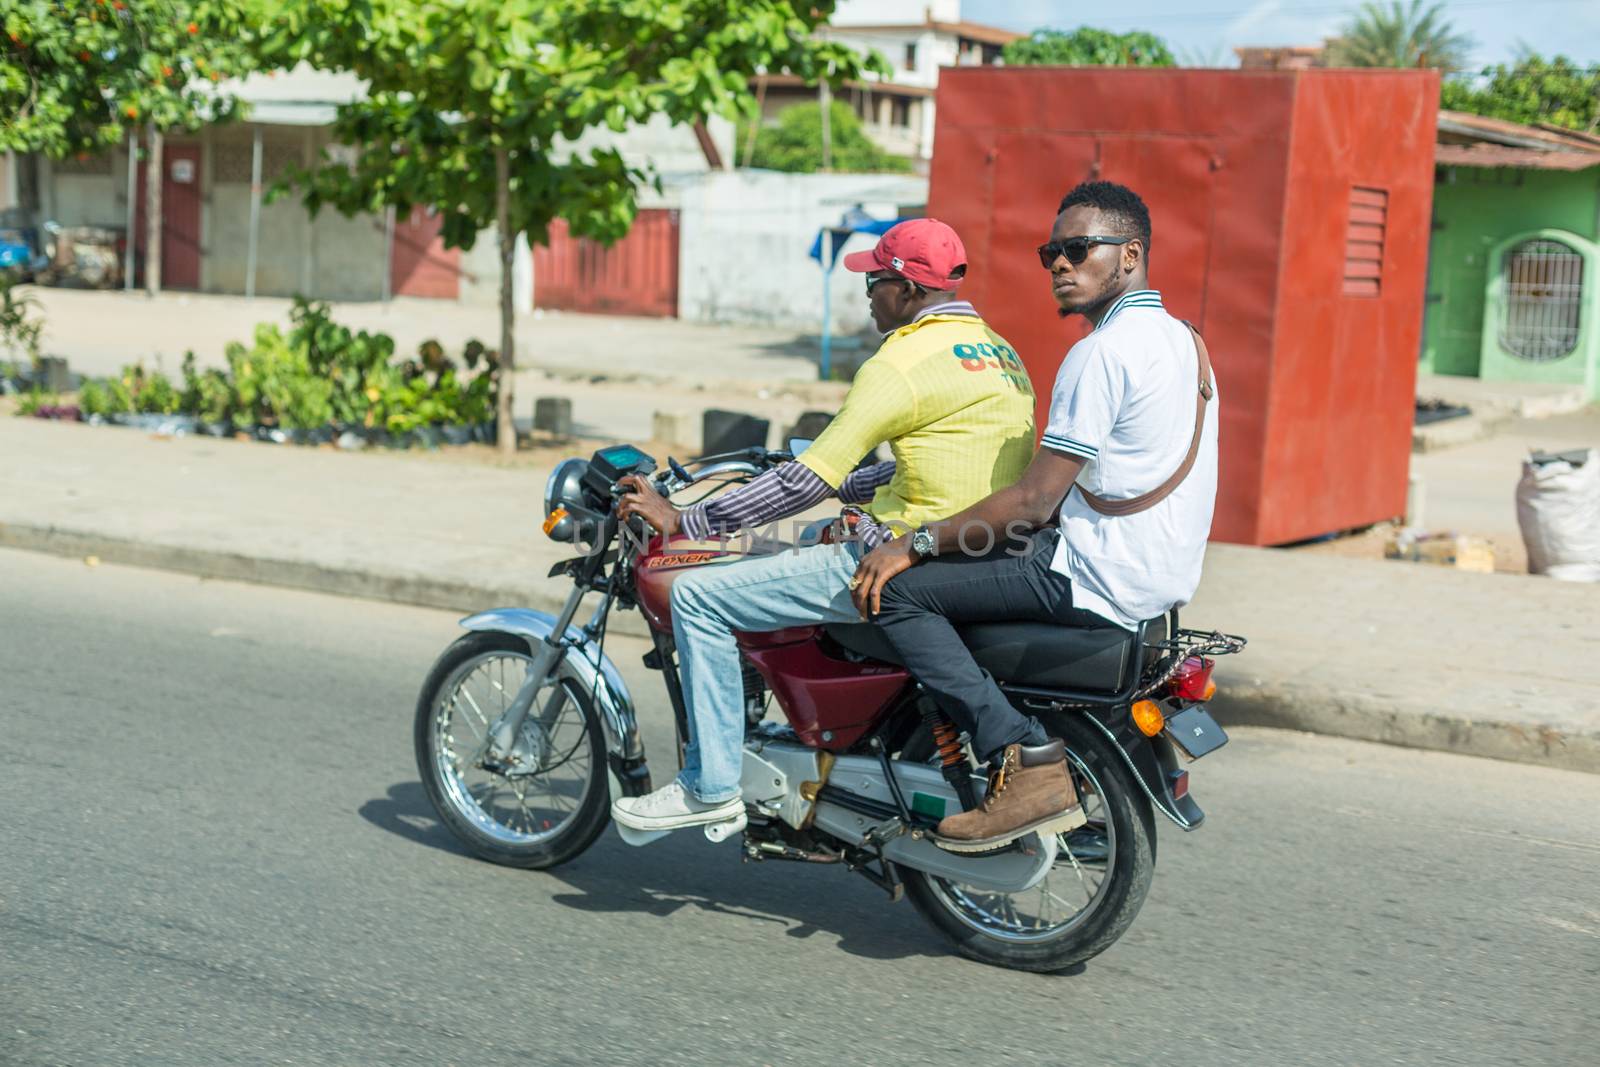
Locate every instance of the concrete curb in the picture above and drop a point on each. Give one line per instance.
(1238, 703)
(369, 584)
(1366, 719)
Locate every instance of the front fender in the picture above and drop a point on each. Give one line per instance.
(589, 667)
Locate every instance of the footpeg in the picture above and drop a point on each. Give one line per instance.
(638, 838)
(717, 832)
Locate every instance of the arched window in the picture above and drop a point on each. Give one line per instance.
(1544, 294)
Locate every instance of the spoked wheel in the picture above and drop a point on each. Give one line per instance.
(1092, 894)
(548, 801)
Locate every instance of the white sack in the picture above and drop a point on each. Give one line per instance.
(1558, 508)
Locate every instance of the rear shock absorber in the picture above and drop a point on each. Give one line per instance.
(952, 757)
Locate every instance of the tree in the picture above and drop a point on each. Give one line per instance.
(1400, 36)
(473, 105)
(78, 78)
(1089, 47)
(1532, 90)
(795, 143)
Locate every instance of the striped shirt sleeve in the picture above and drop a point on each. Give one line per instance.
(860, 484)
(785, 490)
(1087, 399)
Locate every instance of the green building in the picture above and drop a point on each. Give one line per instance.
(1514, 264)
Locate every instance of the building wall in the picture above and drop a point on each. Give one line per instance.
(895, 12)
(1473, 210)
(744, 239)
(87, 192)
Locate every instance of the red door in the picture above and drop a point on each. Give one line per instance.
(636, 276)
(421, 265)
(180, 218)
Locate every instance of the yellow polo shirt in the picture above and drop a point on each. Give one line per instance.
(954, 402)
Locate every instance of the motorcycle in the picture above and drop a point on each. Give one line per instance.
(525, 732)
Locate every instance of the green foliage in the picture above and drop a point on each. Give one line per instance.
(1531, 90)
(20, 326)
(94, 398)
(1089, 47)
(795, 143)
(452, 81)
(75, 77)
(34, 399)
(1400, 35)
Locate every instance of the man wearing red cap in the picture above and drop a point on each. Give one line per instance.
(954, 403)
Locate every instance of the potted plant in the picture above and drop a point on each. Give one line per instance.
(95, 401)
(214, 403)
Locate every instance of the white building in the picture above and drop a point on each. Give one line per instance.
(917, 37)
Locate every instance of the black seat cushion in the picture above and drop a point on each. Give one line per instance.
(1027, 653)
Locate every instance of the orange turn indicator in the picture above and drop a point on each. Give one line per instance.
(1148, 718)
(554, 520)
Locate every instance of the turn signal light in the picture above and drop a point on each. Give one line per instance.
(1193, 680)
(553, 520)
(1148, 718)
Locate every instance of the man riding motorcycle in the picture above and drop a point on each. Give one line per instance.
(1129, 545)
(953, 401)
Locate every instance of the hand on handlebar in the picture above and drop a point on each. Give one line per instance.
(645, 501)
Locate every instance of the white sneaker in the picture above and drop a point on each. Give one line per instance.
(671, 808)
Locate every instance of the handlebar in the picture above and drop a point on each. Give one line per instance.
(746, 462)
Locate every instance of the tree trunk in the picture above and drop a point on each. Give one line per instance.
(153, 174)
(507, 433)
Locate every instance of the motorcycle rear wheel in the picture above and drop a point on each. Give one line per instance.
(530, 821)
(1018, 931)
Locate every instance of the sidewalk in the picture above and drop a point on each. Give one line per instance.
(1489, 665)
(99, 331)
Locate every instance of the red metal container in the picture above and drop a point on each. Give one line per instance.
(1290, 214)
(636, 276)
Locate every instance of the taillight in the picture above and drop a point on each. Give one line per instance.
(1193, 680)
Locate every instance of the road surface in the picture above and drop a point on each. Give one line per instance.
(215, 851)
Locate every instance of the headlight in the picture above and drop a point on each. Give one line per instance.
(564, 489)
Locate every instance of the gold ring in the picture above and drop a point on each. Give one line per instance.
(854, 582)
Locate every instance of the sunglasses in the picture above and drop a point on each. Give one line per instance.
(874, 279)
(1076, 249)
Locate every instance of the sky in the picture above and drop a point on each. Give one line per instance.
(1205, 32)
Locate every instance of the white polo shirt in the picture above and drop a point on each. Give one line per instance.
(1124, 402)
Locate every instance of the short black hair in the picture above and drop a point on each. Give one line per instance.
(1119, 203)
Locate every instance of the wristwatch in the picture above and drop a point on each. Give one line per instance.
(923, 543)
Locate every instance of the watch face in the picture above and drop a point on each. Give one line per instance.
(922, 542)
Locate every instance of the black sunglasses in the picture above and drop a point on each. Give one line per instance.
(1076, 249)
(874, 279)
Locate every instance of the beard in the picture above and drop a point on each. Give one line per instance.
(1082, 303)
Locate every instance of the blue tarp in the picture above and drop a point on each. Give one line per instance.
(855, 221)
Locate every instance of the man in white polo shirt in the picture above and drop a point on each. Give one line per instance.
(1128, 459)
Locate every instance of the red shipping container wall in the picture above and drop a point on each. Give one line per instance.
(636, 276)
(1289, 213)
(420, 264)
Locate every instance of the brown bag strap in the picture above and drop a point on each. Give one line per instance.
(1145, 501)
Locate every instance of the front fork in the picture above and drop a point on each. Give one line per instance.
(501, 739)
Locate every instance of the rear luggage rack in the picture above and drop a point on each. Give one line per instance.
(1181, 646)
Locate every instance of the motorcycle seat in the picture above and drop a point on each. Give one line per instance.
(1038, 654)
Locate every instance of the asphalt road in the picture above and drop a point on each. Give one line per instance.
(215, 851)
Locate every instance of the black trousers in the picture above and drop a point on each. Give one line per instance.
(922, 606)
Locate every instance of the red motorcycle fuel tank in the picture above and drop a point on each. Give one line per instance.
(656, 570)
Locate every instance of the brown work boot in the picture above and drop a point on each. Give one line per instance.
(1031, 791)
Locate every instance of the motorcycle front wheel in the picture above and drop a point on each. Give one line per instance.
(540, 810)
(1091, 895)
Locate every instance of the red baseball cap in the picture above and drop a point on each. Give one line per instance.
(924, 250)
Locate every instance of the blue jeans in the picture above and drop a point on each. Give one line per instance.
(797, 587)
